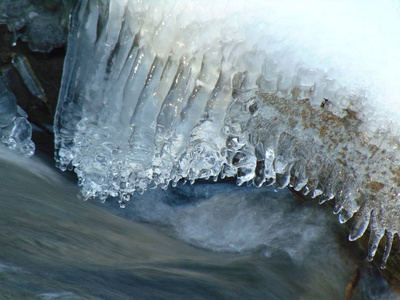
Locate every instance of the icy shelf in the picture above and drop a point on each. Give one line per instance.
(297, 93)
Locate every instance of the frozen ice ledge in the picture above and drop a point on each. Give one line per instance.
(296, 93)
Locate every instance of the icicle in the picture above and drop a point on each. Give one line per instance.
(344, 216)
(388, 247)
(337, 208)
(24, 69)
(360, 224)
(259, 177)
(325, 197)
(374, 239)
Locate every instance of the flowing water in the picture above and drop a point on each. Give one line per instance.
(203, 241)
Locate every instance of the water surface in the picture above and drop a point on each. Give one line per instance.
(206, 241)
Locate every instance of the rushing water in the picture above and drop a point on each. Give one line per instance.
(206, 241)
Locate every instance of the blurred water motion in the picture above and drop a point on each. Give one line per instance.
(55, 246)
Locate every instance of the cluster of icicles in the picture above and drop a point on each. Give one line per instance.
(154, 93)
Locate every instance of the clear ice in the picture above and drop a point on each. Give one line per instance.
(15, 129)
(293, 93)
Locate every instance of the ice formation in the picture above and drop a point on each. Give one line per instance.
(297, 93)
(15, 129)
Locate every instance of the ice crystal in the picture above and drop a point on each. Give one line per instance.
(15, 129)
(296, 93)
